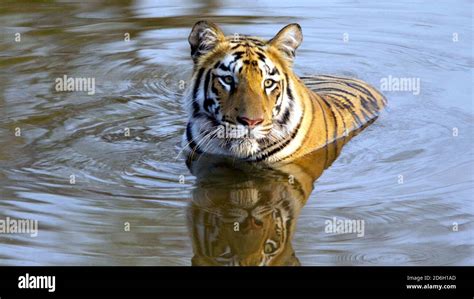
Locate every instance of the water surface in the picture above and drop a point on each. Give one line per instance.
(134, 201)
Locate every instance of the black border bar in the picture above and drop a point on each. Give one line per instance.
(141, 282)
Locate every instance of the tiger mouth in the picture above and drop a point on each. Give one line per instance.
(229, 131)
(233, 139)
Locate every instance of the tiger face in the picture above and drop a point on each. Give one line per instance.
(241, 101)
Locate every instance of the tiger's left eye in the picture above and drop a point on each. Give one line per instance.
(268, 83)
(228, 80)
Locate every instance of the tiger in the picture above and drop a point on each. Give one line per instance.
(245, 101)
(245, 215)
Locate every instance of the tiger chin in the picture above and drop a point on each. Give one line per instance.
(245, 101)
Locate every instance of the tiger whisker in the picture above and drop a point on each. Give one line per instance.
(208, 135)
(192, 140)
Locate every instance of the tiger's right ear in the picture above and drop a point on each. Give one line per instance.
(203, 38)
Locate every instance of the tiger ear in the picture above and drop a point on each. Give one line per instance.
(288, 40)
(203, 38)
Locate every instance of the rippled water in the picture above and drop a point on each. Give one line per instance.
(409, 176)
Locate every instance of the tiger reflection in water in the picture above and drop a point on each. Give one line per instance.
(245, 214)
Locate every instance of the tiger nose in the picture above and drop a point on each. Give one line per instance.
(249, 122)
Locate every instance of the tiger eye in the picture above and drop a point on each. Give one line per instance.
(269, 248)
(268, 83)
(228, 79)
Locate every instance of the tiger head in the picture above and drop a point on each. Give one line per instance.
(241, 98)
